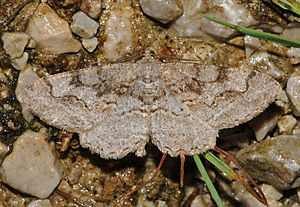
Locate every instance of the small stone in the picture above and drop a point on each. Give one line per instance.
(83, 25)
(263, 124)
(292, 31)
(286, 124)
(64, 186)
(32, 167)
(26, 77)
(20, 63)
(90, 44)
(270, 192)
(40, 203)
(164, 11)
(283, 102)
(294, 55)
(92, 8)
(50, 32)
(31, 43)
(293, 91)
(200, 200)
(275, 161)
(251, 44)
(14, 43)
(74, 175)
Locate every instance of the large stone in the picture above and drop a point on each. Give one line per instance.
(164, 11)
(119, 33)
(40, 203)
(83, 25)
(275, 161)
(32, 167)
(293, 91)
(14, 43)
(51, 33)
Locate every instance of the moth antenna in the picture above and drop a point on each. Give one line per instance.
(145, 183)
(182, 160)
(261, 196)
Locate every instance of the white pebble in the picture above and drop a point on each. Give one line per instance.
(40, 203)
(14, 43)
(90, 44)
(293, 91)
(164, 11)
(32, 167)
(83, 25)
(92, 8)
(20, 63)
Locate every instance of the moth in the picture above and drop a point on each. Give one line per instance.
(117, 108)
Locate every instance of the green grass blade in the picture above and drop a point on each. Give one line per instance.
(289, 7)
(258, 34)
(218, 163)
(208, 182)
(294, 3)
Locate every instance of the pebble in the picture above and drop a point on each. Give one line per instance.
(292, 31)
(293, 91)
(40, 203)
(21, 62)
(14, 43)
(263, 124)
(164, 11)
(26, 77)
(32, 167)
(191, 24)
(270, 192)
(251, 44)
(294, 55)
(275, 161)
(90, 44)
(200, 200)
(286, 124)
(50, 32)
(283, 102)
(83, 25)
(93, 8)
(74, 175)
(120, 33)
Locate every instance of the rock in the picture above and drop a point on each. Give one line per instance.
(74, 175)
(92, 8)
(263, 124)
(292, 31)
(3, 150)
(275, 161)
(51, 33)
(32, 167)
(26, 77)
(286, 124)
(119, 32)
(283, 102)
(294, 55)
(293, 91)
(191, 24)
(164, 11)
(90, 44)
(20, 63)
(278, 68)
(83, 25)
(40, 203)
(251, 44)
(14, 43)
(270, 192)
(200, 200)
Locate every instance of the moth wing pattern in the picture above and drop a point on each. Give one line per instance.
(92, 102)
(223, 97)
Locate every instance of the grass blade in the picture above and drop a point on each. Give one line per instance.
(219, 164)
(258, 34)
(208, 182)
(289, 7)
